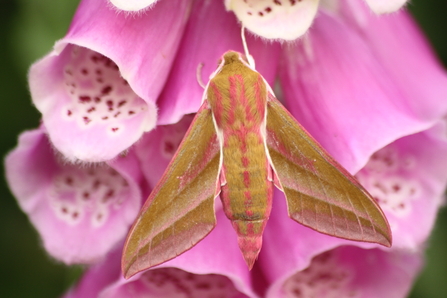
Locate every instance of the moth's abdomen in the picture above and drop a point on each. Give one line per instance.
(247, 189)
(247, 193)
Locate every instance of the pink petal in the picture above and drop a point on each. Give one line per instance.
(80, 212)
(349, 97)
(385, 6)
(404, 53)
(132, 5)
(98, 276)
(156, 149)
(96, 93)
(174, 283)
(351, 272)
(275, 19)
(408, 179)
(210, 32)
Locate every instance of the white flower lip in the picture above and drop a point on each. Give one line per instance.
(275, 19)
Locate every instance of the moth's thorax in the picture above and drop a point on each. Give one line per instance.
(237, 96)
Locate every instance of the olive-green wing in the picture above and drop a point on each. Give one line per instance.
(320, 193)
(180, 210)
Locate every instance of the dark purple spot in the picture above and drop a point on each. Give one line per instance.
(169, 147)
(87, 120)
(106, 90)
(98, 72)
(69, 181)
(75, 215)
(203, 286)
(91, 110)
(277, 2)
(84, 71)
(86, 195)
(131, 112)
(122, 103)
(297, 292)
(292, 2)
(396, 187)
(268, 9)
(108, 62)
(116, 114)
(84, 98)
(96, 184)
(69, 112)
(95, 58)
(110, 105)
(261, 14)
(108, 195)
(64, 210)
(114, 129)
(105, 118)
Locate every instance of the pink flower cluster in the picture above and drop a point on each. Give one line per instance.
(114, 96)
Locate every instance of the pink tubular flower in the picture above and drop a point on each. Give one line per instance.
(81, 212)
(275, 19)
(97, 89)
(352, 272)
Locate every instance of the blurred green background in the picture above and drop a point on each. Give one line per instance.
(28, 31)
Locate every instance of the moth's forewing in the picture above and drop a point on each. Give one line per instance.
(180, 210)
(320, 193)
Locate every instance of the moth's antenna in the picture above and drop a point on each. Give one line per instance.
(250, 59)
(199, 75)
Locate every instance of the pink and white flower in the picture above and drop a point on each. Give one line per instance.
(97, 89)
(80, 211)
(349, 271)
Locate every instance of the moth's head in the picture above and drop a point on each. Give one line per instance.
(232, 58)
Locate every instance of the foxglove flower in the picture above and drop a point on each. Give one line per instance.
(350, 271)
(81, 212)
(97, 89)
(275, 19)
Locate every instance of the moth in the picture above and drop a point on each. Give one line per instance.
(241, 142)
